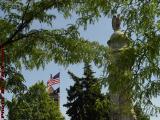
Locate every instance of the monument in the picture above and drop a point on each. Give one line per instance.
(119, 78)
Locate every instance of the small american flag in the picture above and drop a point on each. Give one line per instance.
(54, 80)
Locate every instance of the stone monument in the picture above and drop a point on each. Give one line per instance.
(119, 45)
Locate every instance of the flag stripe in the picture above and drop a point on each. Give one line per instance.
(53, 82)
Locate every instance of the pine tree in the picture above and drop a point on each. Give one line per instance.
(140, 114)
(84, 96)
(34, 104)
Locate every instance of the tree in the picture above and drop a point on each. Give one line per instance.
(141, 25)
(140, 114)
(34, 47)
(27, 42)
(84, 98)
(65, 46)
(34, 104)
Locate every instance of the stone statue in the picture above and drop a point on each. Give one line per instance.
(116, 22)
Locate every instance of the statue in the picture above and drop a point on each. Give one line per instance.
(116, 22)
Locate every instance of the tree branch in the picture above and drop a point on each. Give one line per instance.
(15, 40)
(27, 20)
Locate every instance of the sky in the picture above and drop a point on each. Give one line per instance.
(100, 32)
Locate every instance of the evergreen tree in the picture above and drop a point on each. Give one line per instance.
(140, 114)
(34, 104)
(84, 96)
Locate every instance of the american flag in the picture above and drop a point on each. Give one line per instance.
(54, 80)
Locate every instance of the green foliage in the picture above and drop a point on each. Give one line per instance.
(142, 27)
(34, 104)
(63, 46)
(139, 113)
(14, 81)
(35, 47)
(85, 100)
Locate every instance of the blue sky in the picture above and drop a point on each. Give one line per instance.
(100, 32)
